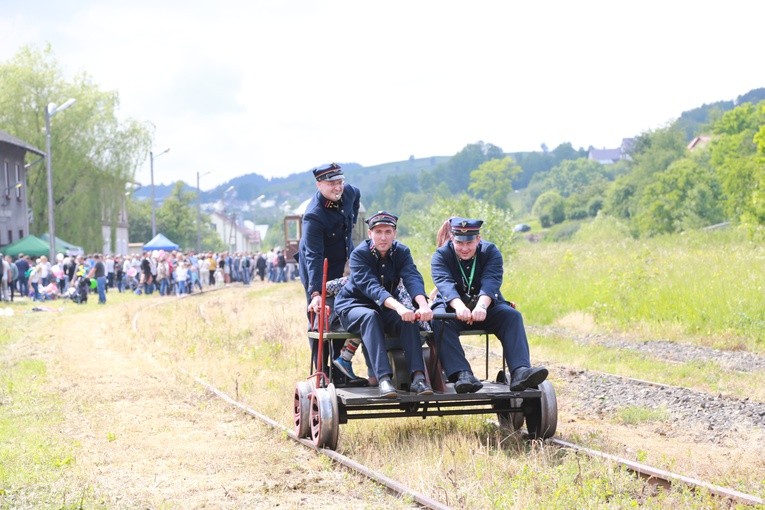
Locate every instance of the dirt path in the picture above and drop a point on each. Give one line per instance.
(150, 437)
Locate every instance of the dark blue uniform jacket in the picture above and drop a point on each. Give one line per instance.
(327, 229)
(450, 283)
(373, 280)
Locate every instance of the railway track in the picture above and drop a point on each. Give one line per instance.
(652, 475)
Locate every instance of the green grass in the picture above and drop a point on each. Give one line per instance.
(703, 285)
(31, 454)
(635, 415)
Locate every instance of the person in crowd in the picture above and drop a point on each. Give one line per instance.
(281, 265)
(6, 278)
(260, 265)
(193, 266)
(147, 279)
(14, 275)
(23, 264)
(181, 277)
(468, 273)
(212, 264)
(368, 304)
(119, 273)
(163, 276)
(110, 271)
(204, 270)
(33, 276)
(98, 271)
(44, 269)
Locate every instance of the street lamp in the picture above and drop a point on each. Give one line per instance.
(50, 111)
(227, 197)
(152, 157)
(199, 213)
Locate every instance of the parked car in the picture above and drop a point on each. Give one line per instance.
(521, 227)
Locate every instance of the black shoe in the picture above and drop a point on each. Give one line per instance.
(420, 387)
(387, 390)
(467, 383)
(525, 377)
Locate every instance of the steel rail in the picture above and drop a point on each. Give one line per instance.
(349, 463)
(652, 474)
(662, 477)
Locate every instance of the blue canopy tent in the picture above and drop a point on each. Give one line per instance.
(160, 242)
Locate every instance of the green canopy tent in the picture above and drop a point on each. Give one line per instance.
(64, 247)
(29, 245)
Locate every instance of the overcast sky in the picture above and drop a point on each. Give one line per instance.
(278, 87)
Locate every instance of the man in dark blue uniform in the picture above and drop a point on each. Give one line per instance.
(327, 227)
(468, 273)
(368, 304)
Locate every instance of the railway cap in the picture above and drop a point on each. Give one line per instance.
(331, 172)
(382, 218)
(465, 229)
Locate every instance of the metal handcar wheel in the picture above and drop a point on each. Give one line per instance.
(509, 421)
(324, 417)
(542, 414)
(302, 409)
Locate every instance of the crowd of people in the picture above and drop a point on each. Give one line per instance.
(163, 272)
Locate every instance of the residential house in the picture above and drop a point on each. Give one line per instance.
(235, 235)
(611, 156)
(121, 240)
(14, 211)
(699, 142)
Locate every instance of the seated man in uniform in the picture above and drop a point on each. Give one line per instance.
(468, 273)
(368, 304)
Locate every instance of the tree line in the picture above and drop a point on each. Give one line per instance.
(662, 187)
(95, 156)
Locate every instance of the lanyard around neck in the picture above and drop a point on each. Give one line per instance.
(468, 283)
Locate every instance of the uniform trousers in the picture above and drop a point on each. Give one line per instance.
(502, 320)
(372, 325)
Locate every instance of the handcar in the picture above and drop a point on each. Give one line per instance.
(321, 406)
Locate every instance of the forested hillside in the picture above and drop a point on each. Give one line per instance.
(661, 187)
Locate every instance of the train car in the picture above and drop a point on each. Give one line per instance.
(320, 406)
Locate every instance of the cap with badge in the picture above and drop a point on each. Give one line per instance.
(331, 172)
(465, 229)
(382, 218)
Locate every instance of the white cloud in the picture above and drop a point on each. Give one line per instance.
(235, 87)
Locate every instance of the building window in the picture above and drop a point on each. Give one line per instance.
(10, 236)
(21, 233)
(7, 179)
(18, 181)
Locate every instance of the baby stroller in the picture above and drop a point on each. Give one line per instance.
(78, 292)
